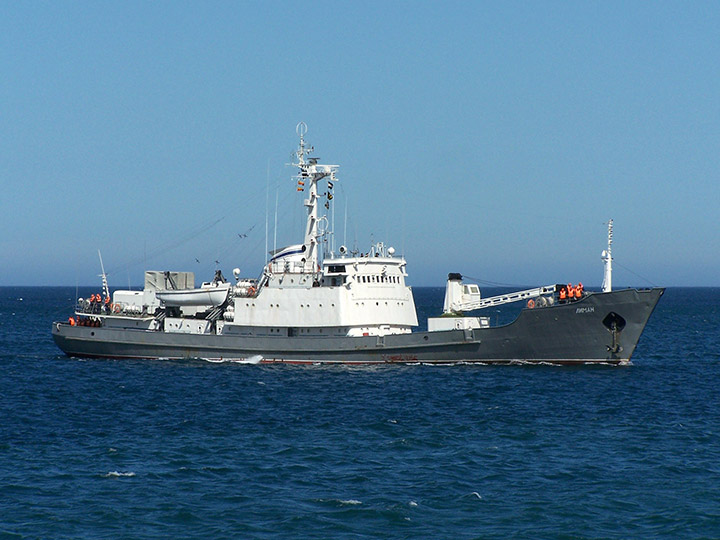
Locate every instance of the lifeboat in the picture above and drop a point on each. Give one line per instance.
(209, 294)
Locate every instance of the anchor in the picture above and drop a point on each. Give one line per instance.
(615, 324)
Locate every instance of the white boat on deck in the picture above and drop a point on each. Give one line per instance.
(209, 294)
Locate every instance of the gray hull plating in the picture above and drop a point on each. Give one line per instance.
(602, 327)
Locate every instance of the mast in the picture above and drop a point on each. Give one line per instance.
(106, 289)
(311, 172)
(607, 259)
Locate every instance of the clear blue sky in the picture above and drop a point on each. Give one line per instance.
(490, 138)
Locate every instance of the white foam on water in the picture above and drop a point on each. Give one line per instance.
(412, 503)
(255, 359)
(472, 363)
(344, 502)
(116, 474)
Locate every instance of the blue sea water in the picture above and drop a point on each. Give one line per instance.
(193, 449)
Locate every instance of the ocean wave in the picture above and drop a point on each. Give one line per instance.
(117, 474)
(340, 502)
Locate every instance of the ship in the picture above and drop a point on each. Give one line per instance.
(314, 304)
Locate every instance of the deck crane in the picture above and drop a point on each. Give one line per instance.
(461, 297)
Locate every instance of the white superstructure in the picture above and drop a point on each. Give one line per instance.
(360, 294)
(304, 291)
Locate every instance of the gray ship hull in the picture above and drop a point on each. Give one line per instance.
(600, 328)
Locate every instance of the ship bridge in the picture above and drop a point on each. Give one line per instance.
(357, 294)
